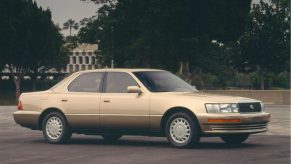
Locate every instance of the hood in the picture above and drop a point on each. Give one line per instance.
(210, 98)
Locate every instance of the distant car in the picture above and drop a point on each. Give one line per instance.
(116, 102)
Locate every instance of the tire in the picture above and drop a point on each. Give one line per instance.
(234, 138)
(182, 130)
(111, 137)
(55, 128)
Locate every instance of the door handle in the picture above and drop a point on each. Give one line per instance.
(64, 100)
(106, 100)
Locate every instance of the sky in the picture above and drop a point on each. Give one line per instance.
(62, 10)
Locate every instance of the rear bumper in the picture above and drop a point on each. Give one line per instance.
(248, 123)
(28, 119)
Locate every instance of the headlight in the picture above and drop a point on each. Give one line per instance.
(221, 108)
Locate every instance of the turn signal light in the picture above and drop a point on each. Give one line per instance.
(19, 105)
(223, 120)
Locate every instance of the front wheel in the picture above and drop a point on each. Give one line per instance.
(182, 130)
(234, 138)
(55, 128)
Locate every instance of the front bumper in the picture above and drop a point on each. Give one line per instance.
(28, 119)
(247, 123)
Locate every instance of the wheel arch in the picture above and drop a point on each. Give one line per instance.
(47, 111)
(173, 110)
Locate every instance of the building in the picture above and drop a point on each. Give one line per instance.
(83, 57)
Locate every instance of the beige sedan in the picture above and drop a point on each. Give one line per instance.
(116, 102)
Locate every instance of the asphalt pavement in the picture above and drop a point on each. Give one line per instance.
(21, 145)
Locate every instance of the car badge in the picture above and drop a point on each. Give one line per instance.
(252, 107)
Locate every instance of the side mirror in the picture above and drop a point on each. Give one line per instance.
(134, 89)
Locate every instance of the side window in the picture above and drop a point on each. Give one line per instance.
(87, 82)
(117, 82)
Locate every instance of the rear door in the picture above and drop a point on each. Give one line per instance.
(82, 100)
(120, 110)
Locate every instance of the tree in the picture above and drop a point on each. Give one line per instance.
(71, 42)
(70, 24)
(88, 30)
(30, 43)
(151, 33)
(264, 47)
(101, 1)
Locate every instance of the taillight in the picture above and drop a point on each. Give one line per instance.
(19, 105)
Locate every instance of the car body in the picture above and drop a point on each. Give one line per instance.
(115, 102)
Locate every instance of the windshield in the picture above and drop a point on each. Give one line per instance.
(163, 81)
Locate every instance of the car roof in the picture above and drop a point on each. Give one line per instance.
(60, 85)
(121, 70)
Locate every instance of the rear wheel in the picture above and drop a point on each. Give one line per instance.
(182, 130)
(111, 137)
(55, 128)
(234, 138)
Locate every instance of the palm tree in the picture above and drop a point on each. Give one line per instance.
(70, 24)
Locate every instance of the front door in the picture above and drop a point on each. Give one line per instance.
(120, 110)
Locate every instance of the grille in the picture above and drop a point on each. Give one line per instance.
(240, 127)
(249, 107)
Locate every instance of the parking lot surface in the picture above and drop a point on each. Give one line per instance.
(21, 145)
